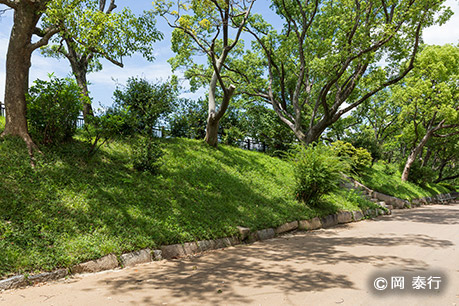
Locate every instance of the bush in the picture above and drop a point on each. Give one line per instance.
(147, 156)
(143, 103)
(189, 119)
(358, 158)
(102, 128)
(317, 172)
(53, 108)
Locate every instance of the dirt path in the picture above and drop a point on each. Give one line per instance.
(325, 267)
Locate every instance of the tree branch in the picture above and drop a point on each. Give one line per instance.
(45, 39)
(10, 3)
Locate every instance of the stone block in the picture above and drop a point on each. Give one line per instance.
(287, 227)
(12, 282)
(266, 234)
(243, 232)
(344, 217)
(47, 276)
(158, 255)
(329, 221)
(311, 224)
(135, 258)
(357, 215)
(253, 237)
(105, 263)
(191, 248)
(172, 251)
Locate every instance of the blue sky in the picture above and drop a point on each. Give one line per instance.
(103, 83)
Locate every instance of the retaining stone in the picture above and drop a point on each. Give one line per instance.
(172, 251)
(253, 237)
(105, 263)
(12, 282)
(47, 276)
(135, 258)
(371, 213)
(222, 243)
(234, 240)
(243, 232)
(287, 227)
(158, 255)
(266, 234)
(357, 215)
(344, 217)
(329, 221)
(206, 245)
(190, 248)
(311, 224)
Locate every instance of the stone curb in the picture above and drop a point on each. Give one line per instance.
(111, 261)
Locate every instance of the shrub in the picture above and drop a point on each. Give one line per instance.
(102, 128)
(358, 158)
(189, 119)
(53, 108)
(147, 156)
(317, 172)
(143, 103)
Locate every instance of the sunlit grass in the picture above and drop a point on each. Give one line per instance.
(71, 209)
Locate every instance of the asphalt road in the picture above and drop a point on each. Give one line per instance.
(335, 266)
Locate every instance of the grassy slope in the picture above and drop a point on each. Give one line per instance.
(70, 209)
(386, 179)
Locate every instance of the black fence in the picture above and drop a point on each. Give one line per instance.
(162, 132)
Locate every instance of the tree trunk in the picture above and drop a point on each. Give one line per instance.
(414, 153)
(18, 61)
(80, 77)
(212, 131)
(79, 64)
(426, 158)
(213, 119)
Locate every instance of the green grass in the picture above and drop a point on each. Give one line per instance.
(70, 208)
(385, 178)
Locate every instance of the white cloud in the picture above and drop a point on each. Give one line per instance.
(447, 33)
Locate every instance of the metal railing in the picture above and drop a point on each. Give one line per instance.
(162, 132)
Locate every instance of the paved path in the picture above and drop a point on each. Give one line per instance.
(324, 267)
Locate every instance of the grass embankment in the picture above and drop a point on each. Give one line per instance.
(385, 178)
(70, 208)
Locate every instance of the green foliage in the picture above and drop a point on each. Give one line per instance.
(53, 108)
(418, 175)
(318, 172)
(101, 128)
(2, 123)
(88, 30)
(147, 156)
(143, 103)
(189, 119)
(264, 125)
(358, 158)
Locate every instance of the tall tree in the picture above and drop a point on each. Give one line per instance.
(211, 28)
(27, 14)
(98, 32)
(325, 62)
(429, 98)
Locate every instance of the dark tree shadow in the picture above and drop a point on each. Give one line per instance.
(283, 263)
